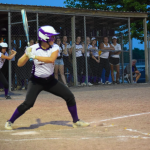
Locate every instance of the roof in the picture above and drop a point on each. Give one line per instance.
(72, 11)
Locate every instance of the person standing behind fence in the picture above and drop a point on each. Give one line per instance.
(3, 57)
(67, 64)
(104, 60)
(79, 48)
(114, 60)
(59, 64)
(95, 60)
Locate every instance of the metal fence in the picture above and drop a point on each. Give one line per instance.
(81, 62)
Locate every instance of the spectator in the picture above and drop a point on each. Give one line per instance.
(104, 61)
(79, 48)
(3, 57)
(114, 60)
(67, 64)
(135, 72)
(95, 60)
(59, 64)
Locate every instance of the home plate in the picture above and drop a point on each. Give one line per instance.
(25, 133)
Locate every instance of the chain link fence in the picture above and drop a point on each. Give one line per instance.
(82, 40)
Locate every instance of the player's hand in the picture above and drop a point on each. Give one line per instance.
(28, 50)
(31, 55)
(13, 52)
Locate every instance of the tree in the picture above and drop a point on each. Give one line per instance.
(118, 5)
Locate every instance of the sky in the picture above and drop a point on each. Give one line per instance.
(59, 3)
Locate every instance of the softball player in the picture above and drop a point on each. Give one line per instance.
(89, 62)
(44, 55)
(3, 57)
(59, 64)
(104, 59)
(95, 60)
(114, 60)
(67, 64)
(80, 61)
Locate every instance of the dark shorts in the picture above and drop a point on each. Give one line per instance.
(114, 61)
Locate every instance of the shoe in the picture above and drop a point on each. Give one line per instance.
(1, 90)
(23, 88)
(90, 84)
(80, 123)
(118, 82)
(107, 82)
(79, 84)
(66, 85)
(100, 83)
(83, 84)
(8, 125)
(18, 88)
(114, 82)
(7, 97)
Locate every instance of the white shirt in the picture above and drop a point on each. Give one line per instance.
(117, 48)
(41, 69)
(94, 51)
(105, 55)
(68, 47)
(2, 60)
(78, 48)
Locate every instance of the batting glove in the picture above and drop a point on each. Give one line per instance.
(31, 56)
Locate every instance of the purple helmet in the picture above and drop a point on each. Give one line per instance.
(45, 33)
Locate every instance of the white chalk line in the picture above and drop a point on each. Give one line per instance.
(121, 117)
(83, 138)
(131, 130)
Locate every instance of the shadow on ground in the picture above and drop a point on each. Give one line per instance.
(39, 124)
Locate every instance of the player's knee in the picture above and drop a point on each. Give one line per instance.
(70, 99)
(24, 107)
(6, 86)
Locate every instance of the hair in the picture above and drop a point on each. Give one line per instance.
(134, 60)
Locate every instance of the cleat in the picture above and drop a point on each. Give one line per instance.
(100, 83)
(80, 123)
(83, 84)
(7, 97)
(8, 125)
(90, 84)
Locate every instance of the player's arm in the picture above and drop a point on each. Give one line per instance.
(50, 59)
(13, 53)
(22, 60)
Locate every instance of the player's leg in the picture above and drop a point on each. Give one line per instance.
(107, 69)
(137, 77)
(5, 84)
(61, 70)
(112, 73)
(118, 73)
(56, 71)
(100, 69)
(32, 92)
(59, 89)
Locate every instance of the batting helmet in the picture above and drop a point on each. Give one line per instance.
(45, 33)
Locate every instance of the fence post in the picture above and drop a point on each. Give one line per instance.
(37, 23)
(73, 51)
(130, 50)
(85, 47)
(9, 46)
(146, 51)
(122, 54)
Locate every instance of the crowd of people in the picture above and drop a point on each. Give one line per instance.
(99, 57)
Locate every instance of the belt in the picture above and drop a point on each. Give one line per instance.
(42, 78)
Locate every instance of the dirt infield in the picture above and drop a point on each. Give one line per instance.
(119, 116)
